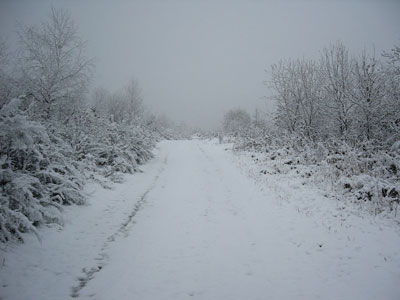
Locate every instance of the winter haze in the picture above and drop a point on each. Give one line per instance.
(194, 60)
(199, 150)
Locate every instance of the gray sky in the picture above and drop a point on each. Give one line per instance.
(194, 60)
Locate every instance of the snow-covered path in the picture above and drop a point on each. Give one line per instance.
(207, 232)
(201, 229)
(200, 235)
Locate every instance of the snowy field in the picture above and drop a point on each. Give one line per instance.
(201, 223)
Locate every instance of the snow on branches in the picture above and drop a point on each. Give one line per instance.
(54, 139)
(337, 121)
(35, 176)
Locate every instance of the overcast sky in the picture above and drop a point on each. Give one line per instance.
(194, 60)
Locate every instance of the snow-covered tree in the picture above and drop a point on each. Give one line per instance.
(52, 139)
(368, 97)
(7, 84)
(309, 90)
(392, 94)
(393, 57)
(236, 122)
(53, 63)
(134, 102)
(125, 105)
(297, 89)
(288, 105)
(336, 69)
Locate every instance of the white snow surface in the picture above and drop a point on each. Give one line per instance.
(201, 223)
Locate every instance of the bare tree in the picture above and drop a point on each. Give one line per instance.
(6, 81)
(336, 68)
(368, 96)
(353, 99)
(392, 93)
(297, 85)
(393, 56)
(99, 102)
(236, 122)
(124, 105)
(308, 89)
(134, 102)
(288, 105)
(53, 62)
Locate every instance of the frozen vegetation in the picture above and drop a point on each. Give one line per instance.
(102, 199)
(55, 137)
(337, 123)
(200, 222)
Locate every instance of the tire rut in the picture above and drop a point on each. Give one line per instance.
(103, 256)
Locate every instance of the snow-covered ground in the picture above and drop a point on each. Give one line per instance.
(201, 223)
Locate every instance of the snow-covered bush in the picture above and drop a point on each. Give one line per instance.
(337, 121)
(44, 165)
(104, 147)
(366, 173)
(53, 139)
(36, 178)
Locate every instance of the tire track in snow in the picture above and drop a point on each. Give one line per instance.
(103, 257)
